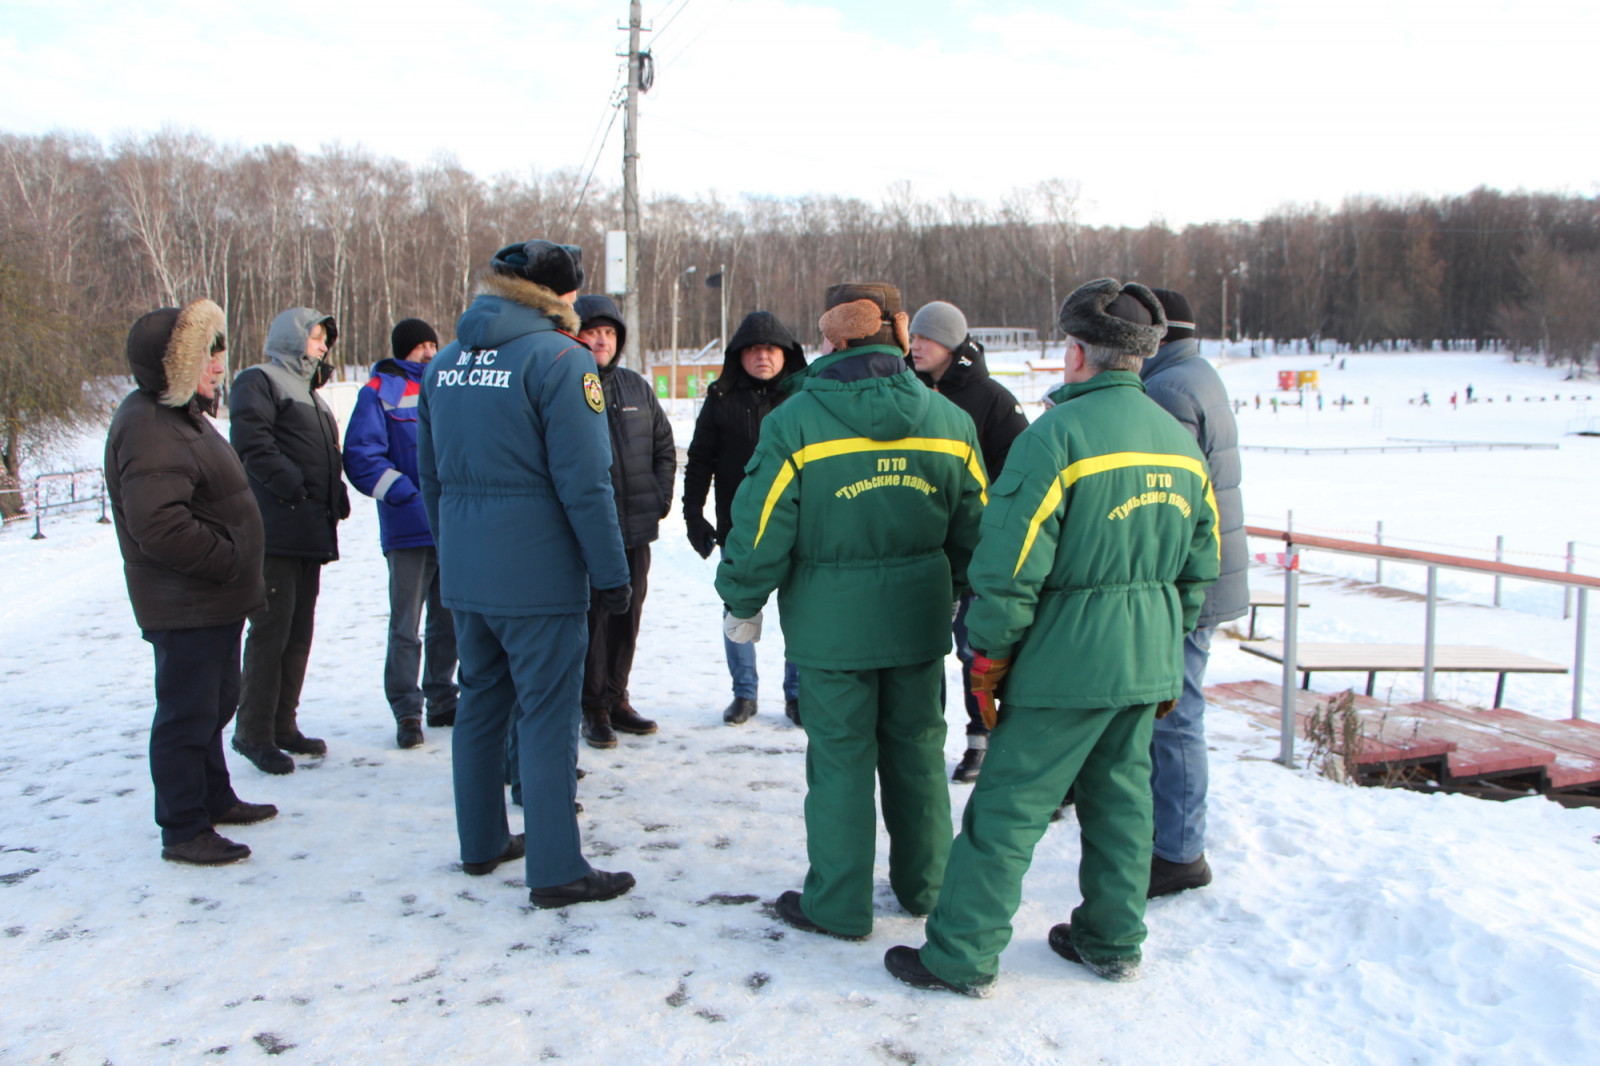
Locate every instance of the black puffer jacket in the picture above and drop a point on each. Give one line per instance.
(729, 425)
(992, 407)
(644, 458)
(289, 443)
(187, 524)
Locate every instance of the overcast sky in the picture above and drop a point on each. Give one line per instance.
(1185, 110)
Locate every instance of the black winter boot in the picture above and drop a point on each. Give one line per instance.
(1114, 968)
(299, 744)
(593, 887)
(266, 757)
(787, 909)
(627, 720)
(207, 849)
(791, 709)
(1169, 877)
(906, 965)
(971, 761)
(597, 728)
(242, 813)
(739, 711)
(440, 719)
(516, 848)
(408, 734)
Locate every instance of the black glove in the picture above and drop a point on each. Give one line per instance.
(617, 600)
(702, 534)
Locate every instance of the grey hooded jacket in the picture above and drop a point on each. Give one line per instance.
(287, 439)
(1190, 390)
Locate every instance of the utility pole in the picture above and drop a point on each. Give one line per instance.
(630, 188)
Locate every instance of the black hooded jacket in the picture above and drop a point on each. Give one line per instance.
(991, 406)
(186, 521)
(729, 425)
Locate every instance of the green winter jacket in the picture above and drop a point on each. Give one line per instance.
(861, 507)
(1098, 543)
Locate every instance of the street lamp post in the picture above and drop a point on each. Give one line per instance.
(672, 389)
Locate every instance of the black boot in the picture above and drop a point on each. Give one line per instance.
(791, 709)
(597, 728)
(516, 848)
(1114, 968)
(788, 909)
(906, 965)
(440, 719)
(300, 744)
(1169, 877)
(266, 757)
(627, 720)
(408, 734)
(739, 711)
(971, 761)
(207, 849)
(242, 813)
(593, 887)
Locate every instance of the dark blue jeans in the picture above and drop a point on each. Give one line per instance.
(413, 583)
(197, 692)
(1178, 770)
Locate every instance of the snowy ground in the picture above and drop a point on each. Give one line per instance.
(1345, 926)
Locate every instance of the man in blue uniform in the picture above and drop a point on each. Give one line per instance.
(515, 460)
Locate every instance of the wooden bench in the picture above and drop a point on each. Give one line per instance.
(1264, 599)
(1371, 659)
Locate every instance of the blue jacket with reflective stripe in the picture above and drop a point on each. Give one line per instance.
(380, 452)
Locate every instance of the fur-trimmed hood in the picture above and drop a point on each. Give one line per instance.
(532, 295)
(168, 349)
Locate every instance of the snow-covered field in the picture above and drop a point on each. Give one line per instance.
(1345, 926)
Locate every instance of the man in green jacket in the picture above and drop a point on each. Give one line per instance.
(1098, 543)
(861, 508)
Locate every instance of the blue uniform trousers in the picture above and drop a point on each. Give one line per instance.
(529, 669)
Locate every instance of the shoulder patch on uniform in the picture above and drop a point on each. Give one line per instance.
(593, 393)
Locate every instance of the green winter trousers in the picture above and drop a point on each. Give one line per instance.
(1035, 754)
(890, 721)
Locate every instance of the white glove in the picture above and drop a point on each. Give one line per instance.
(741, 630)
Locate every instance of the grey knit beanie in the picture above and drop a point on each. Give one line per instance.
(941, 323)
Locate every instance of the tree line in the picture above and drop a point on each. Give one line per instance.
(93, 235)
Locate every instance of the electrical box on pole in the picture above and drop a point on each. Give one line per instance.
(617, 263)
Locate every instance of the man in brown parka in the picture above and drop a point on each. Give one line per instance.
(191, 541)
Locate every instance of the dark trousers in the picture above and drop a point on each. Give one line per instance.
(975, 726)
(197, 690)
(612, 640)
(522, 670)
(413, 583)
(276, 650)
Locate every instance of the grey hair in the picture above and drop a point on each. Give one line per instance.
(1102, 358)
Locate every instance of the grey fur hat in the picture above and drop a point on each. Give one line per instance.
(1108, 314)
(942, 323)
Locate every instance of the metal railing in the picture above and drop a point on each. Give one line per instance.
(1293, 542)
(60, 490)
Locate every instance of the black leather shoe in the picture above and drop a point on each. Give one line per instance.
(441, 719)
(593, 887)
(787, 909)
(515, 849)
(791, 710)
(1169, 877)
(627, 720)
(597, 729)
(906, 965)
(207, 849)
(266, 757)
(300, 744)
(409, 733)
(967, 769)
(242, 813)
(1115, 968)
(739, 711)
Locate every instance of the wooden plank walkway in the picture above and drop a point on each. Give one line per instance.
(1371, 659)
(1461, 748)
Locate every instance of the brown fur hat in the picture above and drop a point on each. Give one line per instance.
(1108, 314)
(862, 313)
(533, 295)
(168, 349)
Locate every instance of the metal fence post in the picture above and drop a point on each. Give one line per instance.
(103, 520)
(1499, 557)
(38, 513)
(1577, 664)
(1566, 593)
(1379, 579)
(1291, 651)
(1429, 633)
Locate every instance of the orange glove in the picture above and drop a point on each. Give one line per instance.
(1165, 707)
(987, 674)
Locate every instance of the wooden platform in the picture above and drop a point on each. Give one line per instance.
(1372, 659)
(1497, 751)
(1260, 598)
